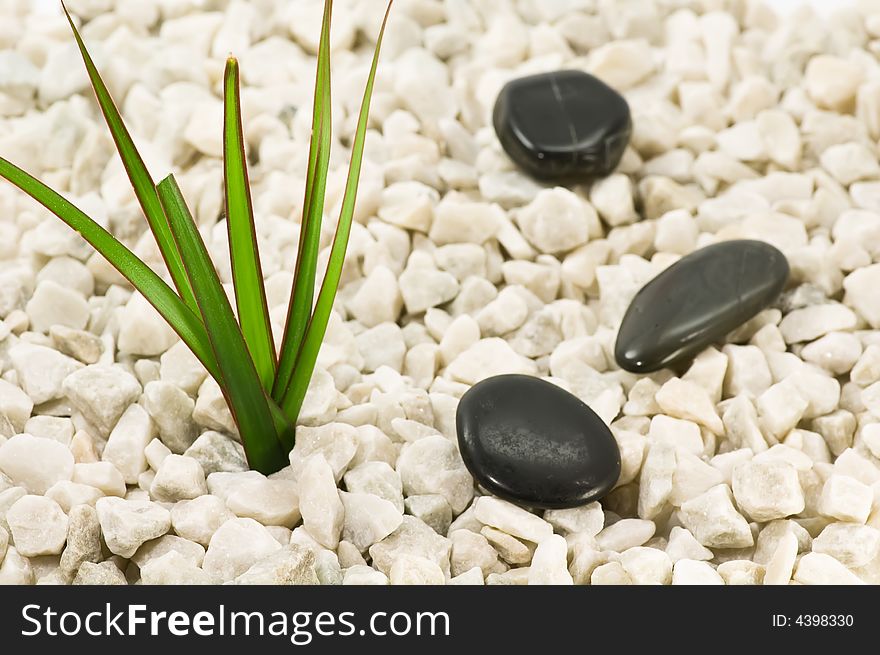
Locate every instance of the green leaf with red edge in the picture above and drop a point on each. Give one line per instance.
(302, 295)
(141, 181)
(169, 305)
(247, 275)
(240, 383)
(292, 399)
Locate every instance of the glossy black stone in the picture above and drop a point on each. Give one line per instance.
(698, 300)
(533, 443)
(562, 125)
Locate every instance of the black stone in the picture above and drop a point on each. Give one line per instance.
(697, 301)
(533, 443)
(563, 125)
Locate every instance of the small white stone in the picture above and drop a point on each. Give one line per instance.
(622, 64)
(687, 400)
(821, 569)
(15, 405)
(812, 322)
(472, 577)
(181, 368)
(198, 519)
(377, 478)
(549, 563)
(556, 221)
(613, 199)
(368, 519)
(781, 137)
(127, 441)
(210, 411)
(780, 408)
(70, 494)
(747, 371)
(767, 490)
(415, 570)
(626, 533)
(38, 526)
(15, 569)
(319, 502)
(382, 345)
(781, 564)
(511, 519)
(142, 331)
(423, 288)
(34, 463)
(459, 221)
(178, 478)
(860, 286)
(472, 549)
(851, 544)
(102, 393)
(53, 304)
(693, 572)
(646, 566)
(503, 315)
(41, 371)
(236, 546)
(271, 502)
(127, 524)
(486, 358)
(217, 452)
(836, 352)
(655, 483)
(611, 573)
(100, 475)
(172, 413)
(832, 82)
(412, 537)
(683, 545)
(172, 568)
(714, 521)
(683, 435)
(588, 519)
(846, 499)
(364, 575)
(850, 162)
(291, 565)
(337, 442)
(378, 300)
(433, 466)
(192, 552)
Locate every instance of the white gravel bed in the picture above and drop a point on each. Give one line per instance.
(119, 461)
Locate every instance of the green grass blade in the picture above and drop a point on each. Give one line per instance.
(247, 276)
(241, 386)
(300, 308)
(140, 178)
(292, 399)
(180, 317)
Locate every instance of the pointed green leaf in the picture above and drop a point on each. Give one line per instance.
(302, 295)
(247, 276)
(180, 317)
(292, 399)
(140, 178)
(245, 395)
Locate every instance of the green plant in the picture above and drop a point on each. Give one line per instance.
(265, 395)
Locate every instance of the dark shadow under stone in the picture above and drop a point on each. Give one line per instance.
(533, 443)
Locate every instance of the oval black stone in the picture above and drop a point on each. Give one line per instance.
(697, 301)
(562, 125)
(533, 443)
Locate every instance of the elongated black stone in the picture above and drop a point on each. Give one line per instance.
(698, 300)
(563, 125)
(531, 442)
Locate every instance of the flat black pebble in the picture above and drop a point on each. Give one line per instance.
(563, 125)
(533, 443)
(697, 301)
